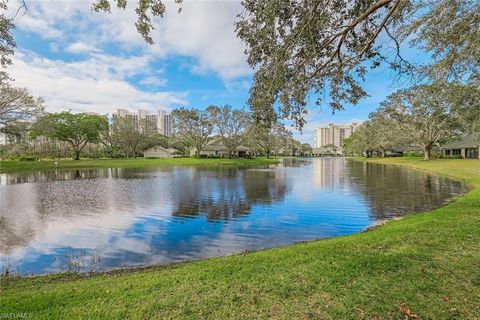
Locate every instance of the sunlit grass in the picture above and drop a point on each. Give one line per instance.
(15, 165)
(425, 264)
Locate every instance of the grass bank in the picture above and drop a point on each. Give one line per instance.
(16, 166)
(426, 265)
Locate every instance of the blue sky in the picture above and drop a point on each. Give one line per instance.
(80, 60)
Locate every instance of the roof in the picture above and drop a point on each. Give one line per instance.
(217, 145)
(468, 141)
(160, 149)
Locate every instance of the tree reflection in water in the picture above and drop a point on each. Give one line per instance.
(210, 193)
(392, 190)
(132, 216)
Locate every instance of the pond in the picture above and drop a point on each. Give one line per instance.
(83, 220)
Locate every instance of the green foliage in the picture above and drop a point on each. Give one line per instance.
(75, 129)
(7, 43)
(330, 148)
(321, 49)
(267, 139)
(145, 10)
(129, 137)
(231, 125)
(305, 148)
(193, 127)
(27, 158)
(424, 115)
(431, 114)
(450, 31)
(159, 140)
(362, 141)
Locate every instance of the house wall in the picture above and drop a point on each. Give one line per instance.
(466, 153)
(472, 153)
(216, 153)
(157, 154)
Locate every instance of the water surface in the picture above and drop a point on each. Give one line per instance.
(83, 220)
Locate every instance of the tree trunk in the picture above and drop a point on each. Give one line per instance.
(426, 152)
(77, 154)
(383, 153)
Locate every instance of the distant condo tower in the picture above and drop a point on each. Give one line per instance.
(158, 122)
(333, 134)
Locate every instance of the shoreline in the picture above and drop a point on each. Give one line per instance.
(471, 179)
(16, 166)
(140, 268)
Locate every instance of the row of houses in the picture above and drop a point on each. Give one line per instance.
(215, 148)
(467, 148)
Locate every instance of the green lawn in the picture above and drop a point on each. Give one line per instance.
(15, 165)
(426, 265)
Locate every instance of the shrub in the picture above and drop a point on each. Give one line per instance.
(27, 158)
(436, 155)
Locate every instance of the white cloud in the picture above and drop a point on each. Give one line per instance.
(153, 81)
(81, 47)
(204, 30)
(97, 84)
(49, 19)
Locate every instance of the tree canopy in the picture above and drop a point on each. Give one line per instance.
(193, 126)
(321, 50)
(325, 47)
(231, 125)
(7, 43)
(430, 114)
(17, 104)
(75, 129)
(423, 115)
(145, 10)
(127, 137)
(267, 139)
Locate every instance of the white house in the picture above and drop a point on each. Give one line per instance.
(216, 148)
(160, 152)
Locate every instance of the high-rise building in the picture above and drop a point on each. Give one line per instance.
(155, 122)
(134, 118)
(167, 125)
(164, 123)
(333, 135)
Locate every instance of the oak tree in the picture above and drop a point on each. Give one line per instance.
(231, 125)
(75, 129)
(314, 50)
(193, 126)
(17, 104)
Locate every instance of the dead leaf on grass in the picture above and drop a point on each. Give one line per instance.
(407, 312)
